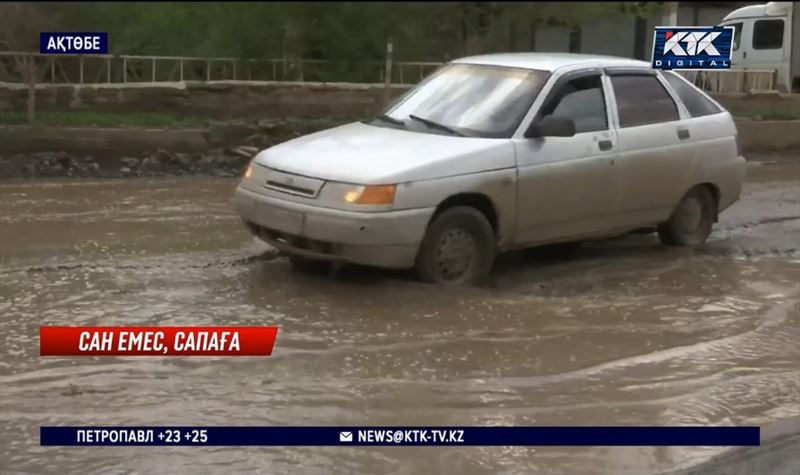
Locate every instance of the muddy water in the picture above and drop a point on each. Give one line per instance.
(624, 332)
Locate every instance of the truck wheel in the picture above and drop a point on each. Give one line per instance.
(691, 221)
(458, 248)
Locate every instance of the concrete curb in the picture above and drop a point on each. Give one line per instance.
(97, 141)
(758, 137)
(769, 135)
(778, 454)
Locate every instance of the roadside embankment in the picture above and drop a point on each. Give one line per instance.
(757, 136)
(220, 100)
(765, 136)
(778, 454)
(245, 117)
(228, 100)
(224, 148)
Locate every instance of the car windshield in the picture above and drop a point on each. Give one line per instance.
(469, 99)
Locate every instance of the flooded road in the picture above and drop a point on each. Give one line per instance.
(624, 332)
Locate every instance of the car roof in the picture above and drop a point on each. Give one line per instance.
(550, 61)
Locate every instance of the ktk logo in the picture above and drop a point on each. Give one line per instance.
(692, 47)
(696, 42)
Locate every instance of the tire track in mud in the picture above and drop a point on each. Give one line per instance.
(777, 219)
(241, 261)
(711, 250)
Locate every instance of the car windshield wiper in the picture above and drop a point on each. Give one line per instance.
(436, 125)
(391, 120)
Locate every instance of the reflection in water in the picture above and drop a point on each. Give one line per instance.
(624, 332)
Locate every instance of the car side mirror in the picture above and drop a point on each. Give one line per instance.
(551, 126)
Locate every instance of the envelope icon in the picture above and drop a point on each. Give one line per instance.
(345, 436)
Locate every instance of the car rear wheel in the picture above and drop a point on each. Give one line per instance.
(458, 248)
(691, 221)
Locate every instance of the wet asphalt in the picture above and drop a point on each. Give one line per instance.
(624, 331)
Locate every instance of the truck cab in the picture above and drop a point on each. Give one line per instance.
(766, 37)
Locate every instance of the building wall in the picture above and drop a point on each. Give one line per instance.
(616, 35)
(612, 36)
(706, 14)
(552, 39)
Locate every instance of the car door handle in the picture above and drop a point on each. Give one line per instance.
(683, 134)
(605, 144)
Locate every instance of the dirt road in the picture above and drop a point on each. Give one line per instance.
(626, 331)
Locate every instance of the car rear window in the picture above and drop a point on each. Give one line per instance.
(642, 100)
(695, 101)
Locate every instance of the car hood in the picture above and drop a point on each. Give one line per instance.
(367, 154)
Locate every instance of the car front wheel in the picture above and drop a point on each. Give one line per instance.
(691, 221)
(458, 248)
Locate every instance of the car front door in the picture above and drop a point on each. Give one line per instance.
(567, 186)
(655, 156)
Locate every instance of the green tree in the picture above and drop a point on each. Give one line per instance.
(20, 24)
(346, 32)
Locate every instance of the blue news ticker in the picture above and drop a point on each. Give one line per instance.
(387, 436)
(73, 43)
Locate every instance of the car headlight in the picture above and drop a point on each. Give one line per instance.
(370, 194)
(249, 171)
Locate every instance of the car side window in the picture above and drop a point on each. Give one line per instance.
(695, 101)
(580, 99)
(768, 34)
(641, 100)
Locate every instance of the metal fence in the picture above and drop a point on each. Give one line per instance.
(99, 69)
(115, 69)
(733, 81)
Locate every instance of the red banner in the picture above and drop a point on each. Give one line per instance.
(156, 341)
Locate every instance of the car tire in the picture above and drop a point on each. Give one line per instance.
(691, 221)
(458, 248)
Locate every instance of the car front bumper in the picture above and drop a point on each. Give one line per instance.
(383, 239)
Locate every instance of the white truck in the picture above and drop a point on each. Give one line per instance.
(767, 37)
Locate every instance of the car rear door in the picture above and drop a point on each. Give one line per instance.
(712, 140)
(567, 185)
(654, 161)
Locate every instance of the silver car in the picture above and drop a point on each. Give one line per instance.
(500, 152)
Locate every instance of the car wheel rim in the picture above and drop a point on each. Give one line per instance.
(455, 254)
(691, 215)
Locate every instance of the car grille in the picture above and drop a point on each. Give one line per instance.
(286, 188)
(290, 183)
(298, 242)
